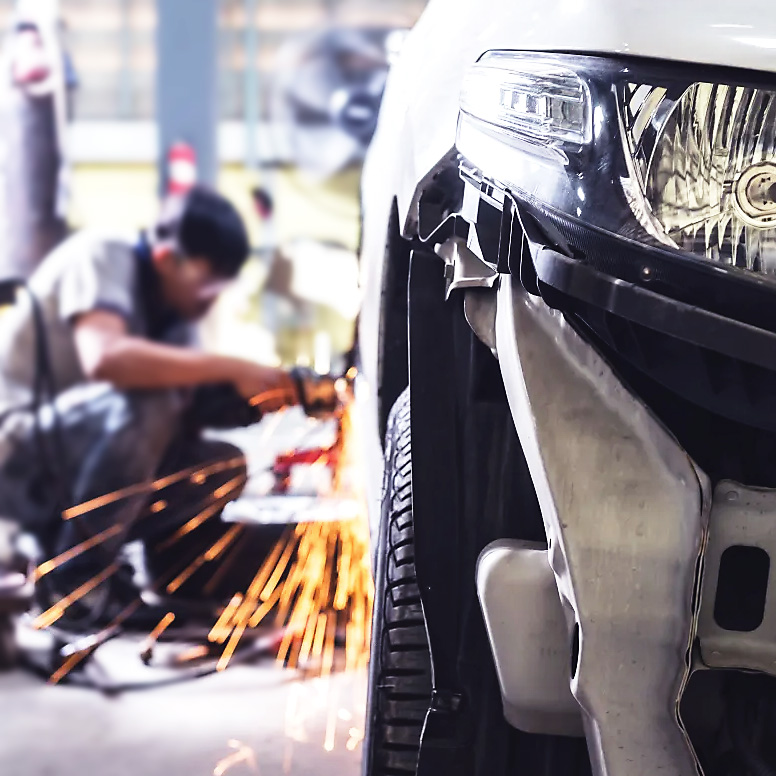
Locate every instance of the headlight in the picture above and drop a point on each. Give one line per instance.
(646, 199)
(643, 151)
(709, 176)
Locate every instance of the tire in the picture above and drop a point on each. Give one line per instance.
(400, 668)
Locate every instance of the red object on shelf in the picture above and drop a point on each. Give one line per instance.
(181, 169)
(285, 462)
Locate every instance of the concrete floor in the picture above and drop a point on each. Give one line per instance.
(248, 720)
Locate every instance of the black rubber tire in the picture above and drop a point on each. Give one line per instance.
(400, 669)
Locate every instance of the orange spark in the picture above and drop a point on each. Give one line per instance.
(234, 640)
(223, 543)
(50, 616)
(317, 579)
(144, 488)
(154, 635)
(266, 396)
(206, 557)
(77, 657)
(74, 552)
(193, 653)
(165, 623)
(245, 613)
(260, 580)
(221, 626)
(216, 502)
(320, 634)
(67, 667)
(264, 610)
(277, 573)
(225, 566)
(229, 487)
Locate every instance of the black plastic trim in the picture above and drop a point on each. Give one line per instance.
(639, 305)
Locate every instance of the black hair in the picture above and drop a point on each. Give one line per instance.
(204, 224)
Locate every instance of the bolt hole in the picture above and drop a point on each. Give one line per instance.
(742, 588)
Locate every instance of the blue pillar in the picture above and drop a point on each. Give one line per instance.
(187, 81)
(252, 86)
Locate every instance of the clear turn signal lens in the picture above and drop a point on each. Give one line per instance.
(538, 102)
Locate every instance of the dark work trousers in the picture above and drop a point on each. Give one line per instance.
(101, 442)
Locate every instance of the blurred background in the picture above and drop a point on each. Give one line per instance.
(106, 106)
(259, 92)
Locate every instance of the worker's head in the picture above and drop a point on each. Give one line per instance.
(198, 247)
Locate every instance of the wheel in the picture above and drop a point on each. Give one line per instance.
(400, 669)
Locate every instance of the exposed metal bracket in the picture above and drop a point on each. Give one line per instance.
(740, 517)
(626, 515)
(527, 632)
(468, 269)
(479, 306)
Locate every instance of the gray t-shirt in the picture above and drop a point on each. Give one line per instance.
(87, 272)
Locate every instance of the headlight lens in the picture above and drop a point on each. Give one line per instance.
(642, 150)
(710, 175)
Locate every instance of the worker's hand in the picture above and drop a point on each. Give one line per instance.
(264, 387)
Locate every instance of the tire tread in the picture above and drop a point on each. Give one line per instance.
(401, 665)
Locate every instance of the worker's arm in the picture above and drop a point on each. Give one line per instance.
(109, 353)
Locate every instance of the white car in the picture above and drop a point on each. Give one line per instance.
(568, 349)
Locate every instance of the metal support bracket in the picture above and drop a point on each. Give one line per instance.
(742, 519)
(626, 515)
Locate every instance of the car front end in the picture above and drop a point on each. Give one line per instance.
(591, 188)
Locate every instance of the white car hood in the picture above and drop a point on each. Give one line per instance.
(422, 101)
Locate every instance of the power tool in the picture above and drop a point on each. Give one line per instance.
(221, 406)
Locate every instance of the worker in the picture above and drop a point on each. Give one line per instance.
(98, 378)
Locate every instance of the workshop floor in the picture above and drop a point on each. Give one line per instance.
(248, 720)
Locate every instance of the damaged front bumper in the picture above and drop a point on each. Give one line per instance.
(626, 516)
(639, 546)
